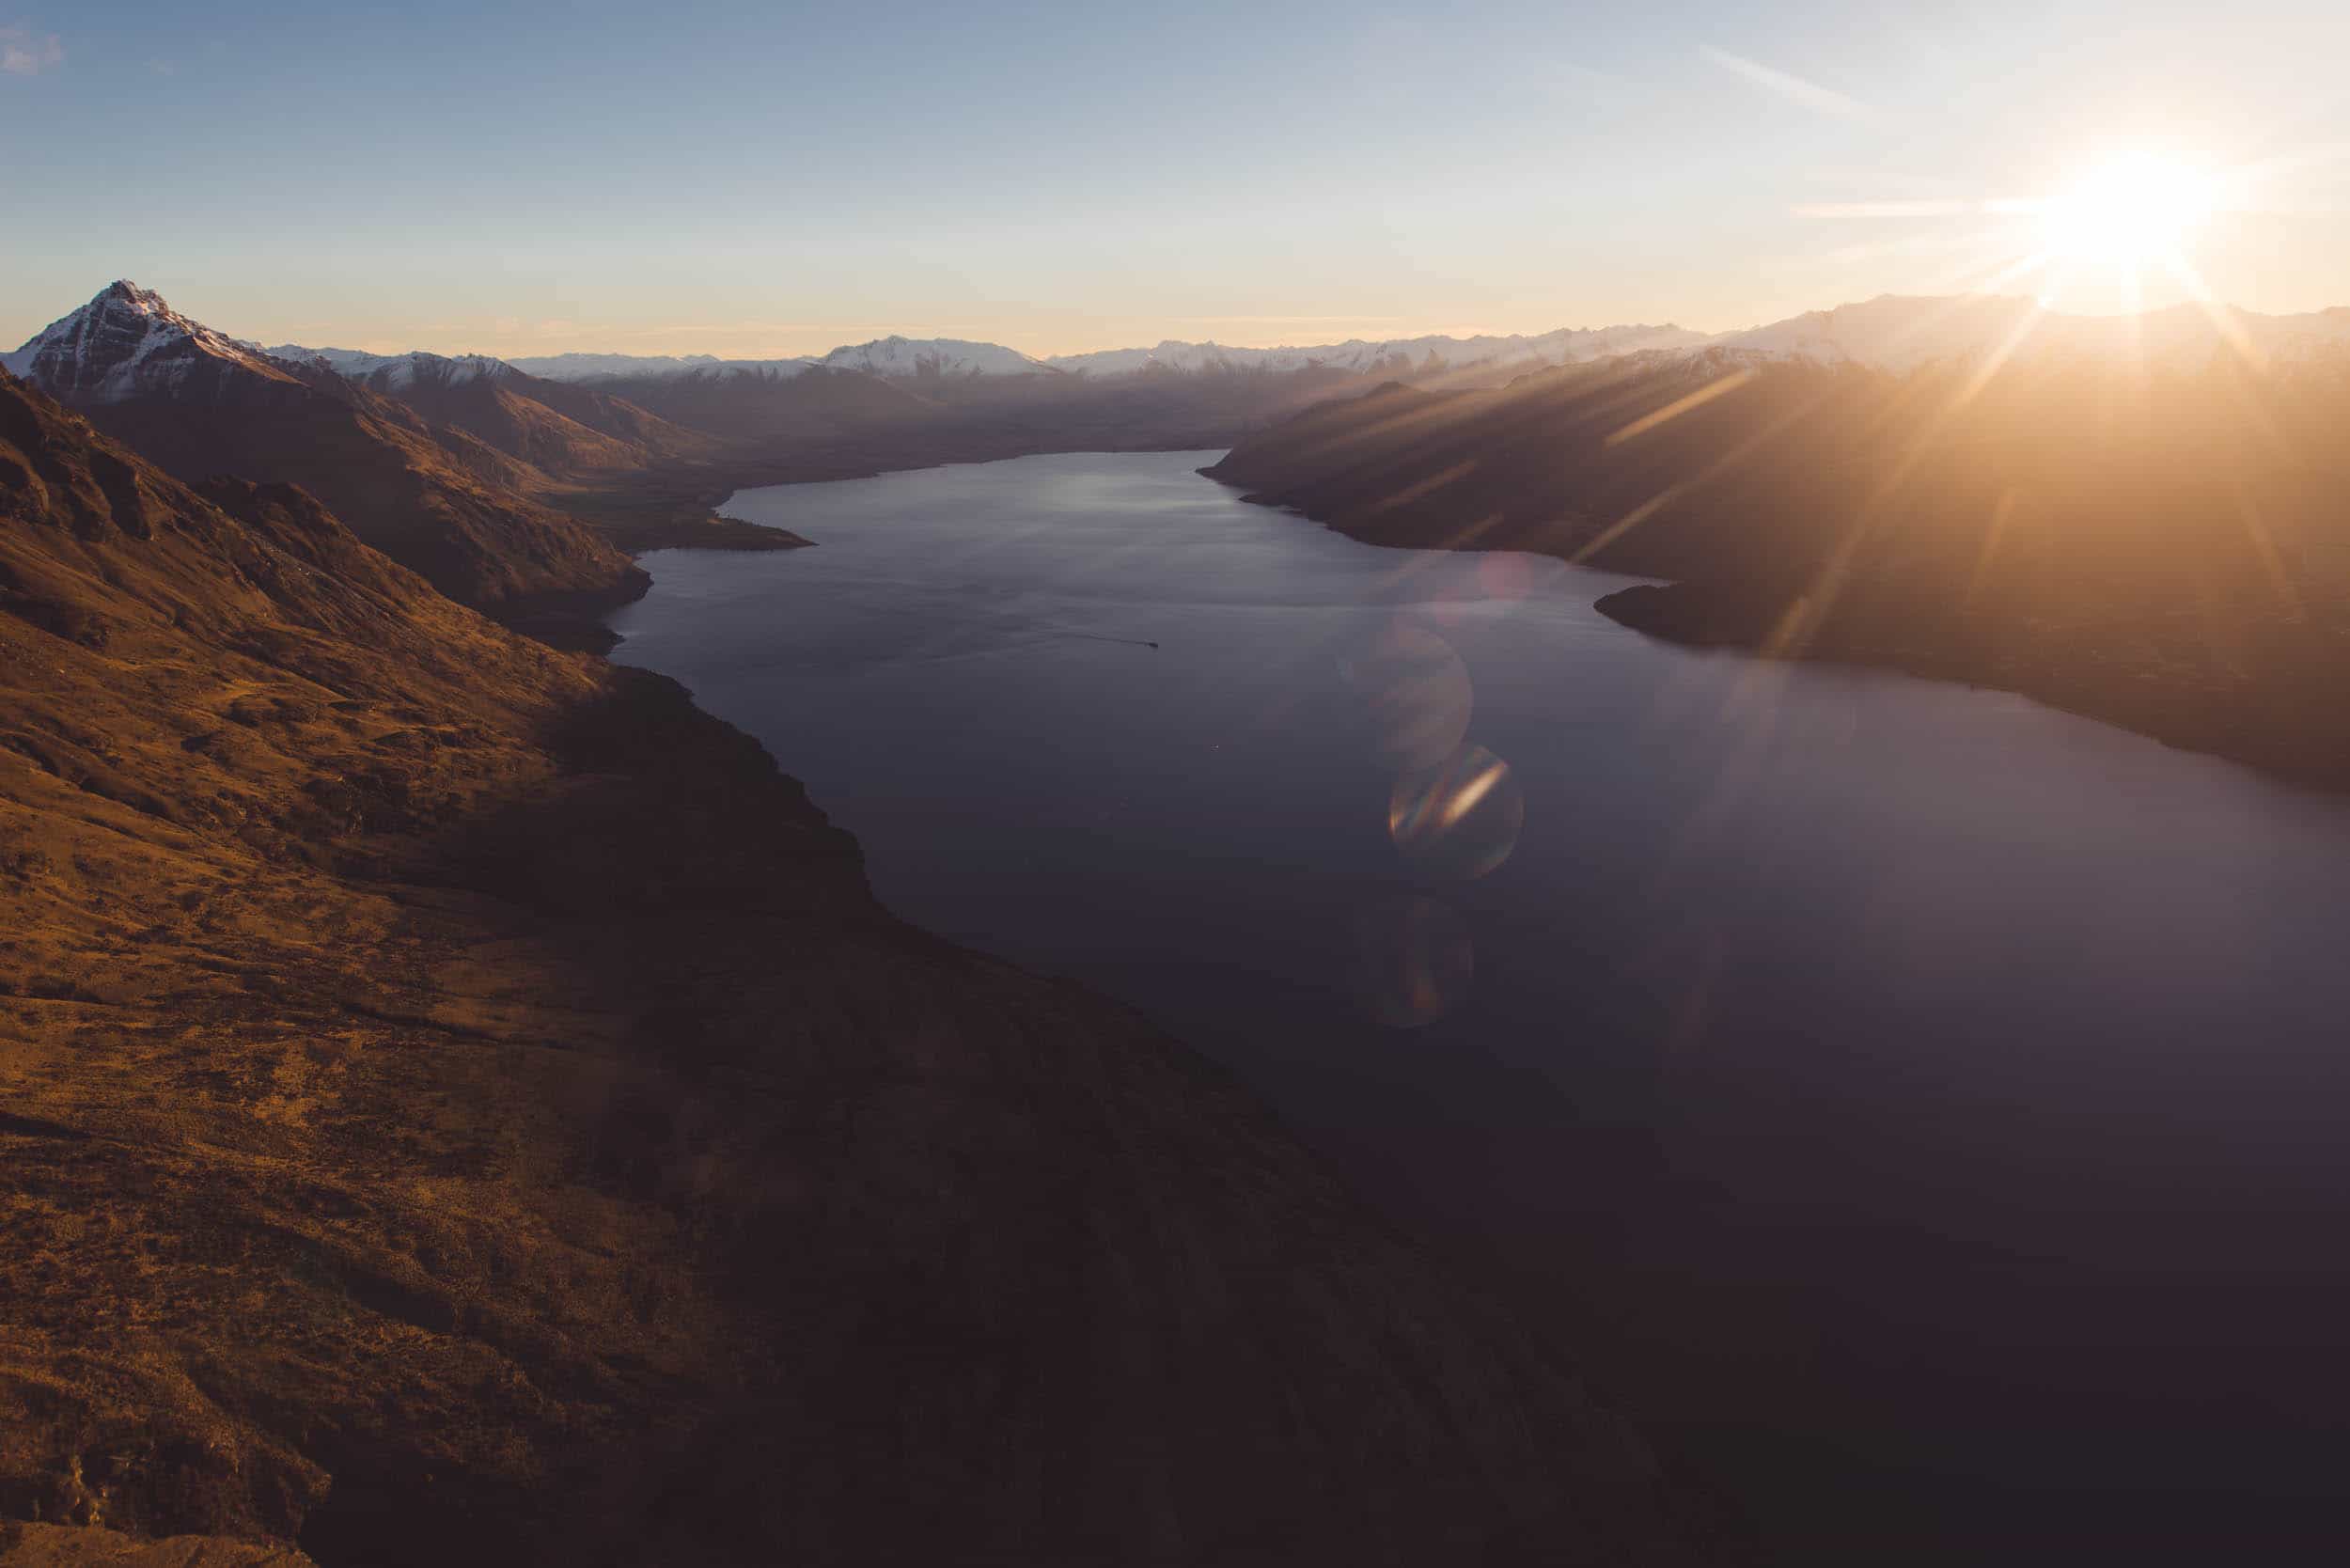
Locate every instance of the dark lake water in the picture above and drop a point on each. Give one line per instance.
(1928, 1110)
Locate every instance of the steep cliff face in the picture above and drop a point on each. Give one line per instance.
(197, 404)
(460, 1103)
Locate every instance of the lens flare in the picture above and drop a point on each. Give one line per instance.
(1418, 691)
(1416, 961)
(1459, 818)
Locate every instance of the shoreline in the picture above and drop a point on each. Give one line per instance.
(2208, 723)
(667, 509)
(1696, 614)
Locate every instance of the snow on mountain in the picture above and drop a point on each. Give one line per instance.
(894, 357)
(1565, 346)
(340, 361)
(904, 359)
(397, 373)
(585, 366)
(1892, 333)
(127, 343)
(932, 357)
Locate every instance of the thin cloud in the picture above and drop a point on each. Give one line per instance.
(1795, 90)
(23, 53)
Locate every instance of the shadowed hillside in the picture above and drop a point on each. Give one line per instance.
(461, 1104)
(561, 431)
(2165, 548)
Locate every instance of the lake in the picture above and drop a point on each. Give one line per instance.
(1924, 1109)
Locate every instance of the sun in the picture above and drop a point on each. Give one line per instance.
(2128, 210)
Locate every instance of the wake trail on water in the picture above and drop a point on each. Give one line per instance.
(1130, 642)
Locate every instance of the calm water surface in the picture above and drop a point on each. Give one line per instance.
(1928, 1109)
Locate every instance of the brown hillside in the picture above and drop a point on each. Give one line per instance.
(462, 1105)
(560, 432)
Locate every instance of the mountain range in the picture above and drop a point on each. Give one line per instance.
(1891, 332)
(937, 358)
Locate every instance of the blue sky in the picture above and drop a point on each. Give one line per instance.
(757, 178)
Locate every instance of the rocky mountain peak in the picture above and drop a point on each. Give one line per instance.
(127, 342)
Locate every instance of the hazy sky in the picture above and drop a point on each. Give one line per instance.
(759, 178)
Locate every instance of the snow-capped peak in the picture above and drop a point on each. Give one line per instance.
(932, 357)
(398, 373)
(126, 343)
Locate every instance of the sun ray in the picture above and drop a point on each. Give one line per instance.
(2264, 551)
(2000, 354)
(1426, 487)
(2248, 353)
(2002, 513)
(1680, 406)
(2223, 321)
(1628, 522)
(1720, 465)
